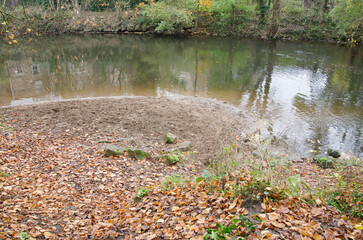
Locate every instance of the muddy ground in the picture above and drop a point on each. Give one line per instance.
(209, 125)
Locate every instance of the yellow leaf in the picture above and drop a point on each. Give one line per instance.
(359, 226)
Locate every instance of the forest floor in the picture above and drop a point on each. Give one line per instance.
(56, 183)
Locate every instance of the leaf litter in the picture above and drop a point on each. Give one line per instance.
(60, 186)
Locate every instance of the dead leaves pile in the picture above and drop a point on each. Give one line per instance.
(184, 212)
(62, 187)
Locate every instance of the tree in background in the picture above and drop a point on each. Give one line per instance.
(10, 3)
(348, 15)
(294, 19)
(274, 28)
(263, 8)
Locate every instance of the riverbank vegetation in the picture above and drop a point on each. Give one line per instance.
(325, 20)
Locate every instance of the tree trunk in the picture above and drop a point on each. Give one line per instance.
(262, 9)
(197, 18)
(306, 4)
(275, 19)
(10, 3)
(326, 3)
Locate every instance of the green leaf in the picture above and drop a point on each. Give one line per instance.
(199, 179)
(24, 236)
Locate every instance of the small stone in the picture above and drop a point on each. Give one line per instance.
(121, 139)
(171, 159)
(172, 150)
(245, 137)
(256, 153)
(137, 153)
(170, 138)
(185, 146)
(112, 150)
(295, 158)
(325, 162)
(333, 153)
(132, 141)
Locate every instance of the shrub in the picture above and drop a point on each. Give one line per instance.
(347, 14)
(163, 17)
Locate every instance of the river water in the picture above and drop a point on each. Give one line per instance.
(308, 94)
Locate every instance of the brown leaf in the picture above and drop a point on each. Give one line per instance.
(278, 225)
(273, 216)
(316, 211)
(317, 237)
(306, 231)
(151, 237)
(194, 228)
(49, 235)
(182, 203)
(201, 218)
(265, 234)
(175, 209)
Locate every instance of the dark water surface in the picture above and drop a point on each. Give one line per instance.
(309, 94)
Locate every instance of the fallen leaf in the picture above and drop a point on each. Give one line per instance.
(316, 211)
(278, 225)
(317, 237)
(201, 218)
(273, 216)
(175, 209)
(49, 235)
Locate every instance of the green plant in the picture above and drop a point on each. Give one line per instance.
(3, 174)
(348, 202)
(4, 125)
(24, 236)
(207, 174)
(175, 180)
(224, 232)
(140, 193)
(221, 232)
(244, 223)
(347, 14)
(295, 185)
(257, 190)
(228, 161)
(164, 17)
